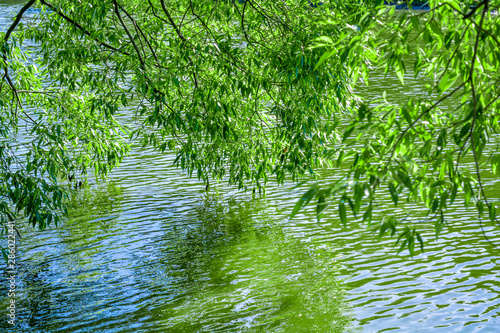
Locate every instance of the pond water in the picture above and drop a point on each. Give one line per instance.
(151, 251)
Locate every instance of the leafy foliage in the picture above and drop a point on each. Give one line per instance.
(238, 92)
(52, 129)
(415, 151)
(232, 88)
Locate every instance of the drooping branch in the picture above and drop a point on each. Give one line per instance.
(473, 10)
(171, 20)
(402, 135)
(81, 28)
(474, 117)
(6, 76)
(18, 18)
(117, 12)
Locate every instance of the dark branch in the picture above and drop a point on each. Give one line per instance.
(85, 31)
(18, 18)
(473, 10)
(117, 11)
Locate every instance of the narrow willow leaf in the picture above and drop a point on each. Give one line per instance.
(405, 179)
(492, 212)
(304, 200)
(342, 213)
(323, 58)
(321, 206)
(367, 216)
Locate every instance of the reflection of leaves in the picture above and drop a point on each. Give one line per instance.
(102, 197)
(95, 203)
(229, 218)
(275, 281)
(212, 226)
(222, 259)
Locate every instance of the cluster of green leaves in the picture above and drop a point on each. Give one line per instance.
(232, 88)
(238, 93)
(417, 151)
(53, 128)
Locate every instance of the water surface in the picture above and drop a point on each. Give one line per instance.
(151, 251)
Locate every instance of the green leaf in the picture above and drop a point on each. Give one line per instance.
(447, 81)
(321, 206)
(405, 179)
(407, 116)
(495, 165)
(465, 130)
(394, 193)
(492, 212)
(323, 58)
(435, 28)
(304, 200)
(342, 213)
(400, 74)
(348, 132)
(467, 193)
(367, 216)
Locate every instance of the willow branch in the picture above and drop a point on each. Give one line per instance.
(117, 12)
(82, 29)
(402, 135)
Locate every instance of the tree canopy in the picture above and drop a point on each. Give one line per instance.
(418, 151)
(249, 91)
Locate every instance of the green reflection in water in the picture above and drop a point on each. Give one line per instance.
(220, 265)
(58, 263)
(230, 275)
